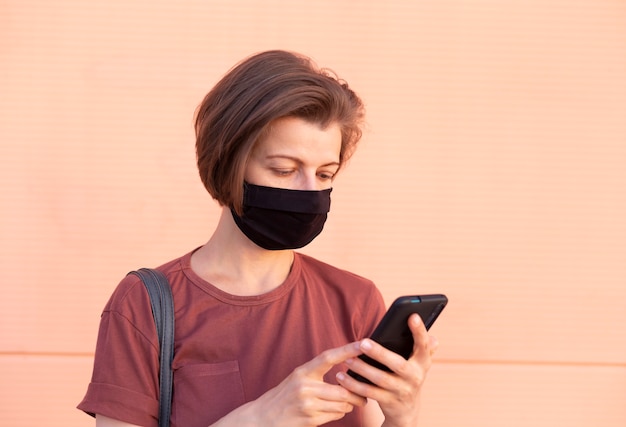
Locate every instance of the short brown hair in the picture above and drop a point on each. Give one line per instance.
(262, 88)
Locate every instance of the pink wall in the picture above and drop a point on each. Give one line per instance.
(493, 170)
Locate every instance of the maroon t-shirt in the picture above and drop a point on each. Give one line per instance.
(228, 349)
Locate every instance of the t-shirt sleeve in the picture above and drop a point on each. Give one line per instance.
(124, 383)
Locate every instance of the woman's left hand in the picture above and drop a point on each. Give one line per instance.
(397, 392)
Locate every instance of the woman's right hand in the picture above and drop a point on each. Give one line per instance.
(302, 399)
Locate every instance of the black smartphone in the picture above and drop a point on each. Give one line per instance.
(393, 330)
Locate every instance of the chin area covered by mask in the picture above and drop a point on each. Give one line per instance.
(280, 218)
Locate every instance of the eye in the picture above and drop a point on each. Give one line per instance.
(325, 175)
(282, 172)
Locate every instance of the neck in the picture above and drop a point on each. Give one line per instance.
(234, 264)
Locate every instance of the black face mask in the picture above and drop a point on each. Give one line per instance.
(278, 218)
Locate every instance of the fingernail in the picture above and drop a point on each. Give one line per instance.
(341, 376)
(349, 361)
(366, 345)
(416, 319)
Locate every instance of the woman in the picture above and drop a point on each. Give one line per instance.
(264, 334)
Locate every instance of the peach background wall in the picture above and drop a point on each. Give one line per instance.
(493, 170)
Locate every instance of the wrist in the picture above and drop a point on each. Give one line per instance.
(403, 423)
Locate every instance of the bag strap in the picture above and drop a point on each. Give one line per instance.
(163, 311)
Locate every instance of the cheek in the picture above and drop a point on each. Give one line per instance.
(248, 176)
(256, 175)
(252, 172)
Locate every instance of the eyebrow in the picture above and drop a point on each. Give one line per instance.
(297, 160)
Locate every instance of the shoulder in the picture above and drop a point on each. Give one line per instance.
(338, 280)
(130, 295)
(315, 266)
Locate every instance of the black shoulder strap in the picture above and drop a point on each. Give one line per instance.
(163, 311)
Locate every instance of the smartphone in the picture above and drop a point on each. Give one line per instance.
(393, 330)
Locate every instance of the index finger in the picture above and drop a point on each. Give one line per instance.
(421, 339)
(329, 358)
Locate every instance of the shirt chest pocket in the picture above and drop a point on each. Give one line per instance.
(203, 393)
